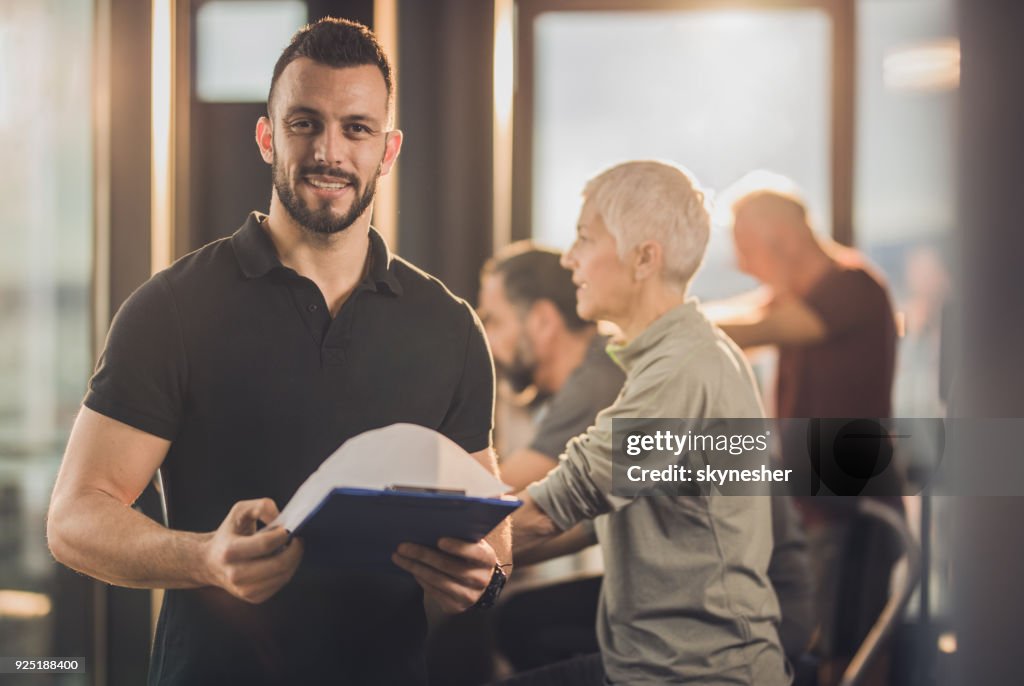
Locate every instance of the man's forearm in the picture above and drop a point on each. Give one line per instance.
(575, 539)
(531, 526)
(501, 540)
(97, 535)
(749, 334)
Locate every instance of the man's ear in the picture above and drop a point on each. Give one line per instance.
(392, 146)
(265, 139)
(648, 260)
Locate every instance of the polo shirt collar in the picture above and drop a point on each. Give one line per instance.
(382, 273)
(253, 248)
(257, 255)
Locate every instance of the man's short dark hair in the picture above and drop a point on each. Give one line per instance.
(336, 43)
(531, 273)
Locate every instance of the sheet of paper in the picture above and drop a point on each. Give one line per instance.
(396, 455)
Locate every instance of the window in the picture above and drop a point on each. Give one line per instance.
(721, 92)
(237, 45)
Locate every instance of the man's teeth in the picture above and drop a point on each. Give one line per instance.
(327, 185)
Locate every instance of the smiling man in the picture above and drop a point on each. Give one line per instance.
(237, 370)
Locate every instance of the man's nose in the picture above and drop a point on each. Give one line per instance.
(566, 260)
(331, 147)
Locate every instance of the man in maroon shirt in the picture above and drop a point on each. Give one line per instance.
(830, 317)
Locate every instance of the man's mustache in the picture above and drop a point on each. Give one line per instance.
(348, 177)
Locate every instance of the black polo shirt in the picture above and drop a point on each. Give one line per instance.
(236, 360)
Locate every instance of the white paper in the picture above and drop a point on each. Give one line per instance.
(397, 455)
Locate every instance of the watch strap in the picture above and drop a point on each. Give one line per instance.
(490, 595)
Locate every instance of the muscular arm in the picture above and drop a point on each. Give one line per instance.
(91, 525)
(92, 528)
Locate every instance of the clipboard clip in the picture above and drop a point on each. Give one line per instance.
(424, 489)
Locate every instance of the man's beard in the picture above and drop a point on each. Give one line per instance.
(519, 372)
(322, 221)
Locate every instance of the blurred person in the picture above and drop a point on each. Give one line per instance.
(237, 370)
(686, 597)
(829, 314)
(527, 305)
(543, 350)
(826, 309)
(916, 387)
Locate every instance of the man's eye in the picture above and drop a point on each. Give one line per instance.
(302, 125)
(358, 130)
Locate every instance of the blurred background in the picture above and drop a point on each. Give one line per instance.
(127, 136)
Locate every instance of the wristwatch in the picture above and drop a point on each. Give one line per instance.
(490, 595)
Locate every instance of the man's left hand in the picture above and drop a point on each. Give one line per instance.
(454, 576)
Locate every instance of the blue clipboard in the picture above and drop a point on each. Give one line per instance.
(360, 528)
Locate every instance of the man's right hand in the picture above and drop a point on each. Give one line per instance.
(249, 564)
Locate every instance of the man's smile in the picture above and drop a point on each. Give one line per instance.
(330, 186)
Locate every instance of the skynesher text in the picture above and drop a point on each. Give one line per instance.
(707, 474)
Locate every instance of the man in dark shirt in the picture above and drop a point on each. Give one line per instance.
(830, 316)
(826, 310)
(528, 309)
(237, 370)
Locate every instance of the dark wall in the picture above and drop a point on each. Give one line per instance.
(992, 241)
(129, 148)
(228, 177)
(445, 108)
(989, 558)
